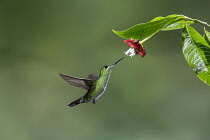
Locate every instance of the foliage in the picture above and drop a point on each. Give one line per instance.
(196, 48)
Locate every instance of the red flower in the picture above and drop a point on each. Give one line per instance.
(135, 48)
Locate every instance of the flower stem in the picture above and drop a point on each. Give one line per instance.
(145, 39)
(198, 21)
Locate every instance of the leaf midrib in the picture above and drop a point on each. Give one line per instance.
(196, 48)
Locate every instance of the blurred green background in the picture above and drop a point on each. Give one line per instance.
(154, 98)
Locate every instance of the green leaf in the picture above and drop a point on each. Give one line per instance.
(197, 53)
(207, 36)
(177, 25)
(144, 30)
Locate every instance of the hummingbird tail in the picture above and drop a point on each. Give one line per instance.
(76, 102)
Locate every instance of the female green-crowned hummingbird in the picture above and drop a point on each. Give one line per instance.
(95, 85)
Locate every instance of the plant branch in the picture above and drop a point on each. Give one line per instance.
(198, 21)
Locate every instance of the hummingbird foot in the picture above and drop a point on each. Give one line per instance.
(94, 101)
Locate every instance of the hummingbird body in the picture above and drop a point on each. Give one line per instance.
(94, 85)
(100, 86)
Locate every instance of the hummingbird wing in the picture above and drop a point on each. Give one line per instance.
(78, 82)
(93, 76)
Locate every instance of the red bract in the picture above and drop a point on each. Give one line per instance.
(138, 47)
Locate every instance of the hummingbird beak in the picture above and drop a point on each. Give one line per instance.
(118, 61)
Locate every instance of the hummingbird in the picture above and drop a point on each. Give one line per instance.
(95, 85)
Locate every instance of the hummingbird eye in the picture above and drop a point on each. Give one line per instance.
(105, 67)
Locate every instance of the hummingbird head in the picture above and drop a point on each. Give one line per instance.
(108, 68)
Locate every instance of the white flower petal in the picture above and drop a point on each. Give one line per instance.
(130, 52)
